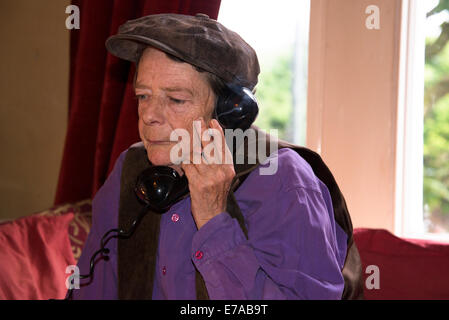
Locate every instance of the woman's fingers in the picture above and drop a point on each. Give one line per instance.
(197, 147)
(211, 177)
(208, 146)
(224, 153)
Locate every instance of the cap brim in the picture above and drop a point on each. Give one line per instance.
(130, 47)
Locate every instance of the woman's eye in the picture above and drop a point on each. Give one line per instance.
(177, 101)
(141, 97)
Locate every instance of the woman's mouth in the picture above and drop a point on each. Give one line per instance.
(159, 142)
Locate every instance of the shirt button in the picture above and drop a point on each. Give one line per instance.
(164, 270)
(175, 217)
(199, 254)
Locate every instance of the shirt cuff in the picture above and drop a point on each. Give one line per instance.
(220, 234)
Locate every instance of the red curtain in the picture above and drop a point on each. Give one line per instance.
(102, 111)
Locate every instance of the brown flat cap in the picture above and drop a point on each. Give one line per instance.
(198, 40)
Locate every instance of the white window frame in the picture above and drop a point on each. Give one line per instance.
(409, 220)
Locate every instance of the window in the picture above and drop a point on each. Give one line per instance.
(422, 204)
(436, 118)
(278, 31)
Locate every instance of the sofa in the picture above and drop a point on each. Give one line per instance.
(37, 249)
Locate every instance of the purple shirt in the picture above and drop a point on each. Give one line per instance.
(295, 249)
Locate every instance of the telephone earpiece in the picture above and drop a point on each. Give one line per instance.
(159, 187)
(236, 108)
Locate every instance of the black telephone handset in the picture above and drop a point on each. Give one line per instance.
(159, 187)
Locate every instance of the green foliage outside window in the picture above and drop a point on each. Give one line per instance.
(274, 95)
(436, 126)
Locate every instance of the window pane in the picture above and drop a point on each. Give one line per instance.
(278, 31)
(436, 118)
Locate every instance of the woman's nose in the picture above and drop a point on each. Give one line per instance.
(151, 111)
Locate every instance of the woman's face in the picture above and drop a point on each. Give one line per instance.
(171, 95)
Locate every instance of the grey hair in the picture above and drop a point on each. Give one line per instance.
(217, 85)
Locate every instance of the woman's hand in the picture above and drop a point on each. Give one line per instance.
(210, 179)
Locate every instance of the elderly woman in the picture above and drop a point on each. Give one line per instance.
(230, 232)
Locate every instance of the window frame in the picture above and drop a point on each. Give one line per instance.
(409, 215)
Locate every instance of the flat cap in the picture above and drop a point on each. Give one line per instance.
(198, 40)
